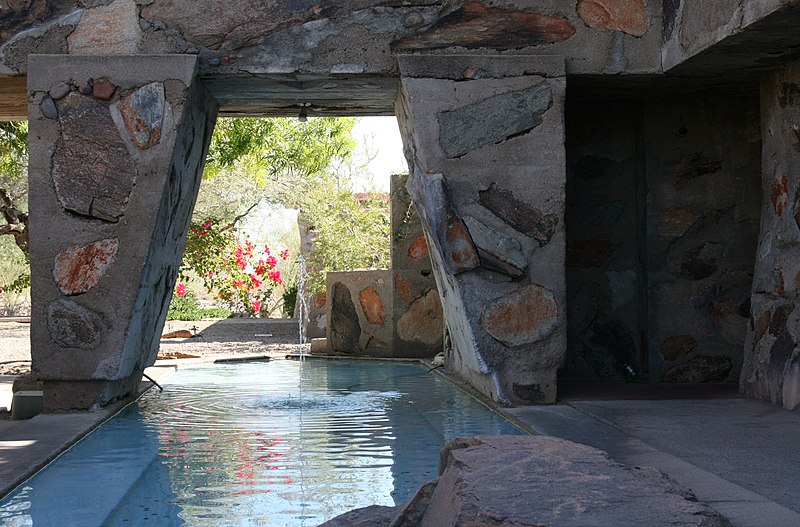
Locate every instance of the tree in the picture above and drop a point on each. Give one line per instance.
(13, 182)
(351, 231)
(252, 159)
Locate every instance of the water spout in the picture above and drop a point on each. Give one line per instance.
(302, 298)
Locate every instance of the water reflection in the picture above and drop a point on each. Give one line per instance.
(284, 443)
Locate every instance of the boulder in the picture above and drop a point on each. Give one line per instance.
(527, 481)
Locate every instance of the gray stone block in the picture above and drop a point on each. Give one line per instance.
(26, 404)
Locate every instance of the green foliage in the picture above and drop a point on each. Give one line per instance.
(15, 271)
(352, 231)
(186, 307)
(278, 155)
(13, 151)
(289, 300)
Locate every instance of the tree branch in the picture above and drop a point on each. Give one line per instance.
(240, 217)
(17, 222)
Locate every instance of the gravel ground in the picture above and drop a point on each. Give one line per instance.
(15, 347)
(214, 339)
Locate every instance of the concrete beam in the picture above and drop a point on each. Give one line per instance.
(13, 98)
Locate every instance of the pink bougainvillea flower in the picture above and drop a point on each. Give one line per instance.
(256, 306)
(206, 225)
(275, 276)
(285, 254)
(180, 290)
(272, 262)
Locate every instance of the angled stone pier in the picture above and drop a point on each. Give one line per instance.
(484, 138)
(771, 369)
(117, 147)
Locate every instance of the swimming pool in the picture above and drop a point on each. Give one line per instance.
(282, 443)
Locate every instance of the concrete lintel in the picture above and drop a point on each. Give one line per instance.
(125, 70)
(471, 66)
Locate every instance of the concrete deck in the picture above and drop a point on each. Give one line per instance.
(28, 445)
(738, 455)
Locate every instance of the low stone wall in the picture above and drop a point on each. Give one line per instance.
(359, 312)
(383, 313)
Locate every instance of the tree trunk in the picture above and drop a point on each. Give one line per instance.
(16, 222)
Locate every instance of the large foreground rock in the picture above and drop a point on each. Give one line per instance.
(538, 481)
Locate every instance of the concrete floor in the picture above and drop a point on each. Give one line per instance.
(742, 457)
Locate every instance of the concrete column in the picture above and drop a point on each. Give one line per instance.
(117, 147)
(484, 137)
(771, 368)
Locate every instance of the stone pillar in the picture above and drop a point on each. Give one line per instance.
(771, 368)
(484, 137)
(117, 147)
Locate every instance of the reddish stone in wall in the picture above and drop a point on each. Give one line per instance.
(103, 88)
(677, 346)
(403, 287)
(628, 16)
(143, 111)
(77, 269)
(695, 166)
(780, 193)
(372, 305)
(762, 324)
(674, 223)
(732, 326)
(476, 25)
(419, 248)
(524, 218)
(449, 234)
(423, 321)
(460, 248)
(780, 288)
(523, 317)
(794, 136)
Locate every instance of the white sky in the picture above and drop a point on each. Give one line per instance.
(379, 137)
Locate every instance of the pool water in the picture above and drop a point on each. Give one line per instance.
(282, 443)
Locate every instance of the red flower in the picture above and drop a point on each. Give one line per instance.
(272, 262)
(180, 290)
(285, 254)
(256, 306)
